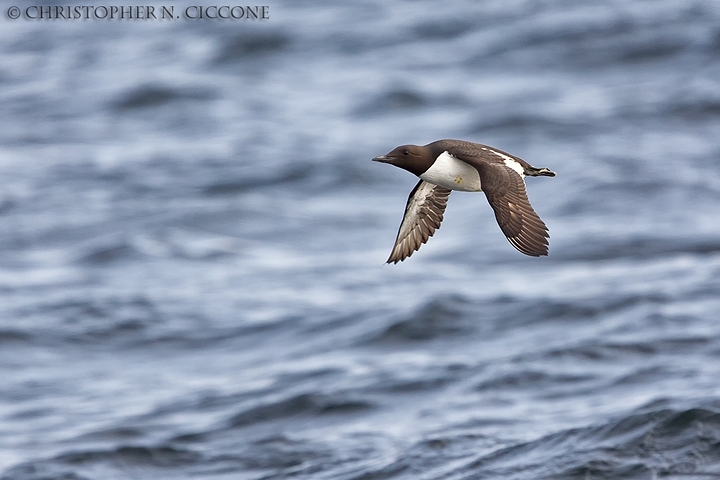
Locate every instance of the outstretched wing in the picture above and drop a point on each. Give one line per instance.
(423, 215)
(505, 191)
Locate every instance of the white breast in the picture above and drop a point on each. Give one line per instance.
(454, 174)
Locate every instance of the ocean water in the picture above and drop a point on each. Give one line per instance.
(193, 237)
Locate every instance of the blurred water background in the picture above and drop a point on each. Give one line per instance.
(193, 235)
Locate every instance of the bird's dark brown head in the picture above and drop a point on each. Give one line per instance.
(413, 158)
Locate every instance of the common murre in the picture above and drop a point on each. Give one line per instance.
(447, 165)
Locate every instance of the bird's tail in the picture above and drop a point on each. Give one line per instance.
(539, 172)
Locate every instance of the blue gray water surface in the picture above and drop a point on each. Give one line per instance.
(193, 235)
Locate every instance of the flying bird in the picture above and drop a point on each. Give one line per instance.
(447, 165)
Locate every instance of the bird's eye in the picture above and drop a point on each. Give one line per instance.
(405, 152)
